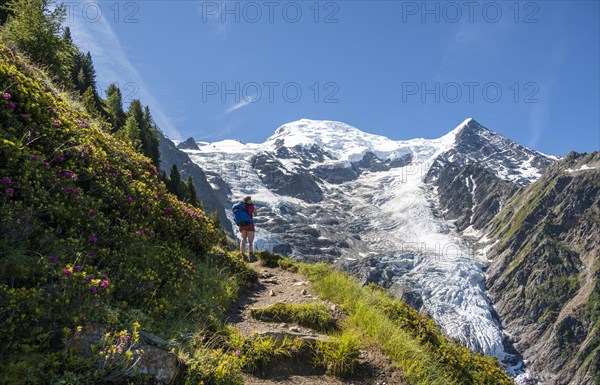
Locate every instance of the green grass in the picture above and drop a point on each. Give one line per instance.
(259, 352)
(289, 264)
(313, 315)
(411, 340)
(268, 259)
(339, 354)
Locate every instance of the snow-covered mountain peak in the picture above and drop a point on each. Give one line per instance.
(469, 122)
(468, 127)
(475, 144)
(343, 141)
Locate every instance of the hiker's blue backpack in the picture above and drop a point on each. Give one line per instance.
(240, 215)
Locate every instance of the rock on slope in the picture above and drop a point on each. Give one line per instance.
(544, 277)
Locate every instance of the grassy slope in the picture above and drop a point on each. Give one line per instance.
(88, 234)
(413, 341)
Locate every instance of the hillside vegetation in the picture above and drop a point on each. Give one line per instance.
(88, 234)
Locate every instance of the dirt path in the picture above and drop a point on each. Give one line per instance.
(281, 286)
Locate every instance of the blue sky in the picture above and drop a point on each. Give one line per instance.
(219, 70)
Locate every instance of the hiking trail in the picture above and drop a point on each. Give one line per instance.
(276, 285)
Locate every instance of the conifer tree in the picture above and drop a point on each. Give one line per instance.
(174, 181)
(90, 72)
(35, 28)
(191, 192)
(70, 47)
(149, 137)
(3, 11)
(162, 176)
(88, 99)
(84, 74)
(114, 107)
(214, 217)
(131, 131)
(135, 111)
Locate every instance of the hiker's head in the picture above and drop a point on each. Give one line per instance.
(247, 199)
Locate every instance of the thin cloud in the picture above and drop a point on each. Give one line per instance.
(237, 106)
(113, 65)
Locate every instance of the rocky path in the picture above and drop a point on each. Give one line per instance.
(281, 286)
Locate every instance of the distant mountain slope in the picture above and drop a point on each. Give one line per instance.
(544, 276)
(210, 195)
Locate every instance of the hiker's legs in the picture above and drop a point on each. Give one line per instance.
(243, 241)
(250, 235)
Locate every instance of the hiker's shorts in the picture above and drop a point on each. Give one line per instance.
(249, 227)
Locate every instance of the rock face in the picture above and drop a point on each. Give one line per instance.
(469, 194)
(475, 178)
(210, 195)
(91, 334)
(301, 185)
(544, 277)
(475, 144)
(188, 144)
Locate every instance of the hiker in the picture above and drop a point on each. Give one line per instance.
(243, 213)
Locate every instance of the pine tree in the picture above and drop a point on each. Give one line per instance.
(214, 217)
(183, 192)
(174, 181)
(90, 72)
(150, 138)
(162, 176)
(75, 69)
(35, 28)
(191, 192)
(70, 46)
(80, 82)
(114, 107)
(66, 34)
(3, 11)
(84, 74)
(131, 131)
(135, 111)
(88, 99)
(146, 130)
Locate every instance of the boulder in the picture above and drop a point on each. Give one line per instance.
(160, 365)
